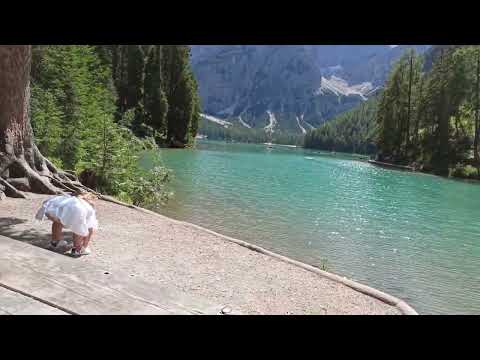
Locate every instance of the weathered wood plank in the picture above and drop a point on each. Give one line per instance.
(12, 303)
(78, 288)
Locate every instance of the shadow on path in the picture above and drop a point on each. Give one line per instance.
(19, 229)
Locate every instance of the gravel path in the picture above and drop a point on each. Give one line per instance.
(178, 255)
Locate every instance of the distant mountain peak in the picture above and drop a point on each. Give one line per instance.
(288, 87)
(340, 87)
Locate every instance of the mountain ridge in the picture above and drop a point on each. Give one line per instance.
(289, 87)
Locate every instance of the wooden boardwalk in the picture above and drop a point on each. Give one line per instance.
(38, 281)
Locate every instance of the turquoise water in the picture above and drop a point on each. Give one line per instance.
(415, 236)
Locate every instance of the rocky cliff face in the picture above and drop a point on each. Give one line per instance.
(288, 87)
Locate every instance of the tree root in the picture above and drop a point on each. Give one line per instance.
(10, 190)
(21, 184)
(37, 175)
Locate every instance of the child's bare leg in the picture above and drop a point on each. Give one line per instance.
(56, 229)
(57, 234)
(78, 242)
(87, 238)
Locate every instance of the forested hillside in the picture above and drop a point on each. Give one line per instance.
(431, 118)
(427, 115)
(353, 131)
(303, 86)
(95, 109)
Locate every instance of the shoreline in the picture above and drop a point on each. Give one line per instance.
(400, 304)
(201, 262)
(356, 156)
(392, 166)
(411, 169)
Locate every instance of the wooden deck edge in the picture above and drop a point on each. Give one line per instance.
(135, 296)
(391, 300)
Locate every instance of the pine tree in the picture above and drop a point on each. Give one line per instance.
(477, 109)
(181, 94)
(22, 166)
(156, 104)
(156, 82)
(409, 108)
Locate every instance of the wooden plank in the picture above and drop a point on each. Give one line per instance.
(79, 288)
(70, 293)
(12, 303)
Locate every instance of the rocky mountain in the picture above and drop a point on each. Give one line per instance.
(288, 87)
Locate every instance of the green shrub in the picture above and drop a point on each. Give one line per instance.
(148, 190)
(464, 172)
(73, 107)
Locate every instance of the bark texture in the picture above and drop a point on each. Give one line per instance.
(22, 167)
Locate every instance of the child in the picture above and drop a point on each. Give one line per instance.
(76, 213)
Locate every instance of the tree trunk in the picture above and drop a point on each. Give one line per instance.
(441, 166)
(477, 114)
(401, 119)
(118, 73)
(22, 166)
(419, 114)
(407, 141)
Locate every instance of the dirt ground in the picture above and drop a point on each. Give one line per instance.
(158, 249)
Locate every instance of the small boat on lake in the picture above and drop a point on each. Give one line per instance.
(271, 145)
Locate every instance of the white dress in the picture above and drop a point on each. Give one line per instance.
(74, 213)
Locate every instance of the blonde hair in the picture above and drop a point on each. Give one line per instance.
(88, 197)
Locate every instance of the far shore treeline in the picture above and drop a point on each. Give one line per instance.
(427, 115)
(95, 109)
